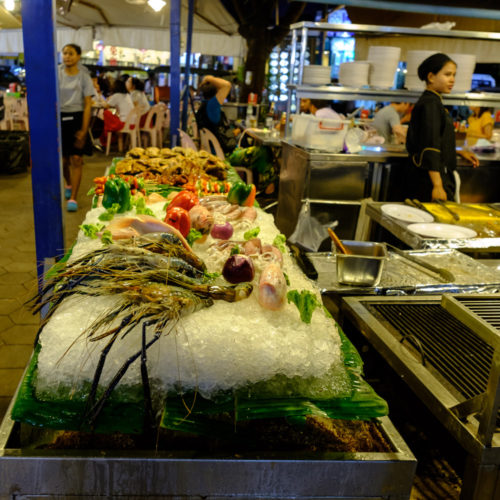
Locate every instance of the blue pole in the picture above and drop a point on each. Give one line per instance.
(175, 69)
(43, 103)
(185, 102)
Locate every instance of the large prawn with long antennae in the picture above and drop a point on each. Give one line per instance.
(158, 281)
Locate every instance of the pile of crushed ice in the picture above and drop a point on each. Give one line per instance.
(223, 347)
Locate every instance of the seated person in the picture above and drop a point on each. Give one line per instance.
(387, 122)
(122, 102)
(321, 109)
(136, 89)
(214, 91)
(480, 125)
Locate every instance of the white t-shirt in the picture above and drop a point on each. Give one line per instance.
(327, 113)
(140, 100)
(123, 104)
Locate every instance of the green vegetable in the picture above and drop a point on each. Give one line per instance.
(279, 242)
(140, 207)
(91, 230)
(116, 190)
(251, 233)
(287, 279)
(235, 250)
(106, 238)
(110, 212)
(306, 303)
(238, 193)
(211, 276)
(193, 235)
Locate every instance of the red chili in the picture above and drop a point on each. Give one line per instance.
(184, 199)
(178, 217)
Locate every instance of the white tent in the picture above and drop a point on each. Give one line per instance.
(133, 24)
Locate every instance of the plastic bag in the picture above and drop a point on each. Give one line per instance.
(309, 233)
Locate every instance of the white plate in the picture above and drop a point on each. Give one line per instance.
(406, 213)
(442, 231)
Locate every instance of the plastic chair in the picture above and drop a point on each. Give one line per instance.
(162, 94)
(210, 143)
(131, 128)
(186, 140)
(153, 125)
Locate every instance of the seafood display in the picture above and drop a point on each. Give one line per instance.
(176, 166)
(154, 314)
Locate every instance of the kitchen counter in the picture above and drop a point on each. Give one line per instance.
(413, 240)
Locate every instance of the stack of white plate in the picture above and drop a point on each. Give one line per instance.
(413, 60)
(354, 74)
(465, 68)
(384, 62)
(315, 74)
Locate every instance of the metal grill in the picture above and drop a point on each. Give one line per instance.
(461, 357)
(486, 308)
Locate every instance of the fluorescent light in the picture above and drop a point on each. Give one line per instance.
(156, 5)
(9, 4)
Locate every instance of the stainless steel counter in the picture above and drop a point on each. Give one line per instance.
(413, 240)
(30, 470)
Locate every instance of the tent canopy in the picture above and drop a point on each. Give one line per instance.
(132, 23)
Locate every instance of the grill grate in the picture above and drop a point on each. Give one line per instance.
(488, 309)
(461, 357)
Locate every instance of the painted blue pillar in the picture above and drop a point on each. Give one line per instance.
(189, 37)
(175, 69)
(39, 39)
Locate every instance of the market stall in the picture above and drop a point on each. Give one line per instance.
(177, 357)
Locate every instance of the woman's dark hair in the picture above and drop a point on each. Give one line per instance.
(433, 64)
(138, 84)
(207, 90)
(321, 103)
(484, 110)
(74, 46)
(119, 87)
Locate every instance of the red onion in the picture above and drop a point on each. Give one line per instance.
(222, 231)
(238, 268)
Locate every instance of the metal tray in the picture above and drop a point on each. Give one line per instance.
(27, 472)
(401, 276)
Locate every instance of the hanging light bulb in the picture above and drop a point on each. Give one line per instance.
(9, 5)
(156, 5)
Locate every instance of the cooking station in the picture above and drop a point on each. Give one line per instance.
(447, 349)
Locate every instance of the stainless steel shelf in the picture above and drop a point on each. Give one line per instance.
(373, 30)
(345, 93)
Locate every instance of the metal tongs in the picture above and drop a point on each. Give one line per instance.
(448, 209)
(444, 274)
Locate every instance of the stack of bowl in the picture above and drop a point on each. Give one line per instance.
(315, 74)
(413, 60)
(465, 68)
(354, 74)
(384, 63)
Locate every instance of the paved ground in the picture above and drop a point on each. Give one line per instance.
(436, 478)
(18, 281)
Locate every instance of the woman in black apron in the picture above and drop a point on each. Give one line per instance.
(431, 136)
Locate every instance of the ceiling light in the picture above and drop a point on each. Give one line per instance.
(156, 5)
(9, 4)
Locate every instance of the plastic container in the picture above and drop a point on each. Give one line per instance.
(364, 267)
(324, 134)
